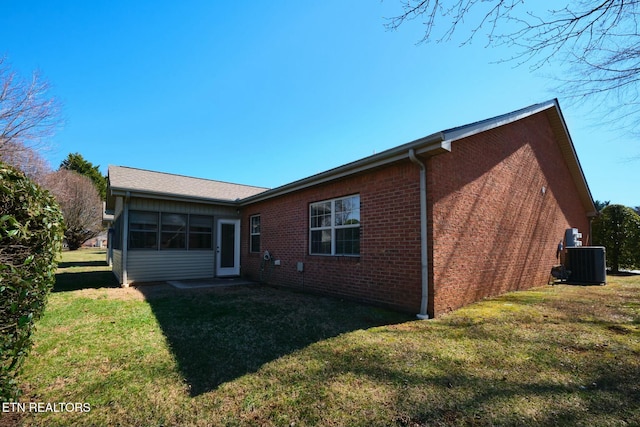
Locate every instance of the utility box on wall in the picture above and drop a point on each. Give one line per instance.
(587, 264)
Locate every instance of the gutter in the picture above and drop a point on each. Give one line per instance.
(424, 258)
(430, 145)
(116, 191)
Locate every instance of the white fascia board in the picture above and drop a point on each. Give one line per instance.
(430, 145)
(465, 131)
(172, 197)
(581, 178)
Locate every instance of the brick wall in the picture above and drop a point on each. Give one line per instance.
(492, 228)
(387, 272)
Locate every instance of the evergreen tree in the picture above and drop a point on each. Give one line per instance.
(75, 162)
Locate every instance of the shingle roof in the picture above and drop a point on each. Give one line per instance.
(140, 181)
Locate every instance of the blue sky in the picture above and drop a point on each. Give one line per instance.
(264, 93)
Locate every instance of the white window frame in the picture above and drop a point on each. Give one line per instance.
(252, 233)
(332, 227)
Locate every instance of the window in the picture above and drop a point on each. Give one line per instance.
(200, 232)
(153, 230)
(143, 230)
(254, 240)
(334, 226)
(173, 231)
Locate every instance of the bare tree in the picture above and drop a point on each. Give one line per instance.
(599, 39)
(80, 204)
(27, 114)
(27, 160)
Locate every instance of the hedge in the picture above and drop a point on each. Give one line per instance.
(31, 233)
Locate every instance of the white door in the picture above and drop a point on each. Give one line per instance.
(228, 248)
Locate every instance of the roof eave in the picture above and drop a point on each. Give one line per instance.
(428, 146)
(123, 192)
(559, 126)
(494, 122)
(568, 150)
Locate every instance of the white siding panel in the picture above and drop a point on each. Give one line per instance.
(148, 266)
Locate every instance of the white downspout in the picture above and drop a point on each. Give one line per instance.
(423, 315)
(125, 240)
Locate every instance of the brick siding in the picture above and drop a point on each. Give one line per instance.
(387, 272)
(492, 227)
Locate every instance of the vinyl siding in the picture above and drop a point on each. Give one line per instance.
(149, 266)
(119, 207)
(116, 266)
(154, 205)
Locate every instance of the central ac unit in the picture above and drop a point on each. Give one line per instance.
(587, 264)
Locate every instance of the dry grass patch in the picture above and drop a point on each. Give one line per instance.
(561, 355)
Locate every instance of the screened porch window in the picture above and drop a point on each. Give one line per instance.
(170, 231)
(173, 233)
(200, 232)
(143, 230)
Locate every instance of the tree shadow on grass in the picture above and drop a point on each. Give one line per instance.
(66, 282)
(81, 264)
(83, 273)
(218, 335)
(461, 394)
(623, 273)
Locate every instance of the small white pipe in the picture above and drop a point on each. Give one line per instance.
(424, 261)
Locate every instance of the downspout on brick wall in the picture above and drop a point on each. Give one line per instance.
(424, 255)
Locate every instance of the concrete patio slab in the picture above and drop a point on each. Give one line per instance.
(217, 282)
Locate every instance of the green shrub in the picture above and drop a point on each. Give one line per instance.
(31, 233)
(617, 228)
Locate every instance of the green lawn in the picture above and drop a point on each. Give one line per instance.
(558, 355)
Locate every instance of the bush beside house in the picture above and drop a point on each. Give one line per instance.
(617, 228)
(31, 233)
